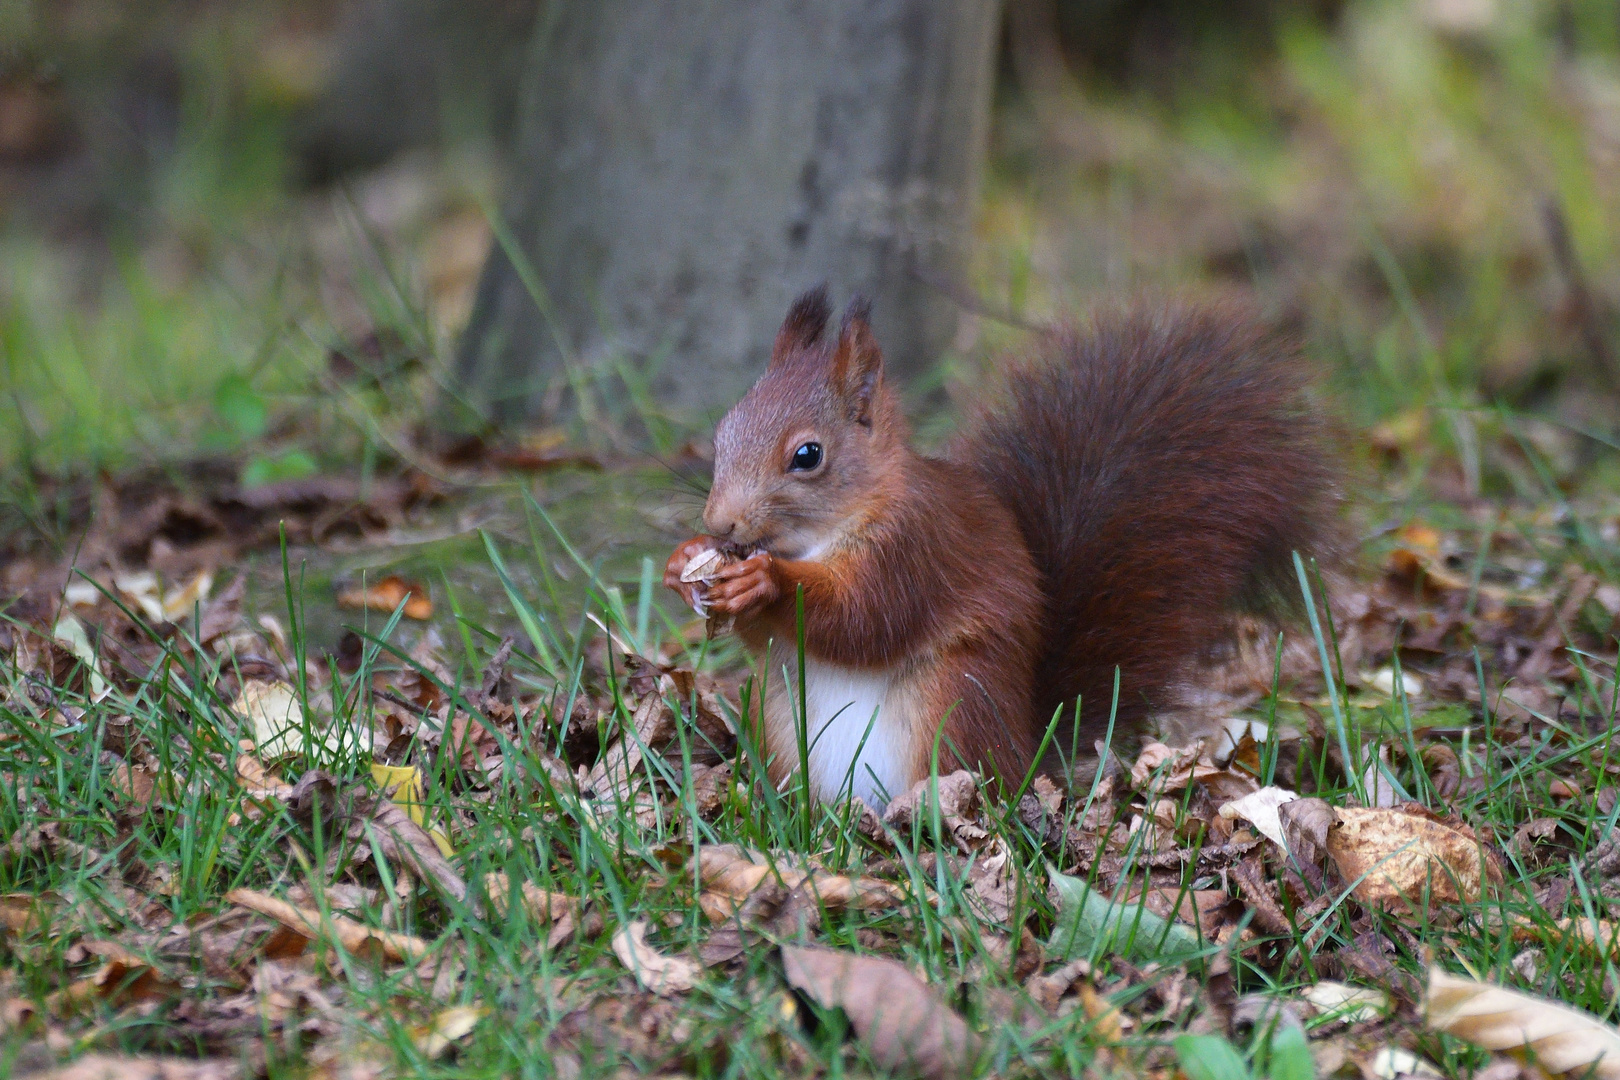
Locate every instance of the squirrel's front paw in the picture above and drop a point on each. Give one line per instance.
(743, 587)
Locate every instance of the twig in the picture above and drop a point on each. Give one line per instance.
(970, 302)
(404, 703)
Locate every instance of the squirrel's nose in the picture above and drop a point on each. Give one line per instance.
(719, 520)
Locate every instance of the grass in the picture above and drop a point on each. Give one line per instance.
(199, 837)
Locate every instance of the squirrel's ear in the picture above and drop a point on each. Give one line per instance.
(803, 327)
(857, 361)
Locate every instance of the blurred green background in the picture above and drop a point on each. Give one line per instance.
(197, 231)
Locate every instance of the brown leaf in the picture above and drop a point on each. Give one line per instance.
(355, 937)
(542, 905)
(735, 873)
(385, 596)
(1203, 908)
(619, 773)
(1305, 825)
(133, 784)
(655, 971)
(710, 786)
(1600, 938)
(993, 883)
(1444, 769)
(1526, 837)
(401, 838)
(1047, 990)
(223, 614)
(123, 1067)
(1166, 770)
(23, 913)
(258, 781)
(958, 801)
(900, 1023)
(124, 977)
(1561, 1039)
(1406, 856)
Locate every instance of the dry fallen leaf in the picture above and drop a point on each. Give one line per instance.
(1047, 990)
(1406, 856)
(1259, 809)
(958, 806)
(1346, 1004)
(124, 977)
(542, 905)
(619, 776)
(258, 781)
(22, 913)
(277, 717)
(356, 937)
(1393, 1063)
(732, 872)
(404, 788)
(123, 1067)
(655, 971)
(1561, 1039)
(1601, 938)
(133, 784)
(391, 828)
(448, 1027)
(386, 595)
(1159, 769)
(69, 632)
(900, 1022)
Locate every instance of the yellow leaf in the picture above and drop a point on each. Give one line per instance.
(403, 786)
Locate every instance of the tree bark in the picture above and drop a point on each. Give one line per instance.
(413, 73)
(683, 170)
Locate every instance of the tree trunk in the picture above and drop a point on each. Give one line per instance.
(412, 73)
(684, 169)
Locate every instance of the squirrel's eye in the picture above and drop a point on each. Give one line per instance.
(806, 457)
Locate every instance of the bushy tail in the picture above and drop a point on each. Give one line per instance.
(1164, 465)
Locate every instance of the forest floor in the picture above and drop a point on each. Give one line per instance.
(334, 748)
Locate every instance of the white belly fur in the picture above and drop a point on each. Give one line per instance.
(841, 703)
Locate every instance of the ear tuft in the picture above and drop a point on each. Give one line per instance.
(857, 361)
(859, 310)
(805, 323)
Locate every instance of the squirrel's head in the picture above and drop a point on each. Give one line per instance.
(808, 451)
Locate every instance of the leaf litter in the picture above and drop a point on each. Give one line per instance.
(1125, 909)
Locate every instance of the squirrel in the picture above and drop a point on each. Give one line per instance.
(1111, 506)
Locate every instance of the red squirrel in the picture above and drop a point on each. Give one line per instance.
(1109, 506)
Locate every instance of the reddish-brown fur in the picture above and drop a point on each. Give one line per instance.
(1125, 490)
(1167, 464)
